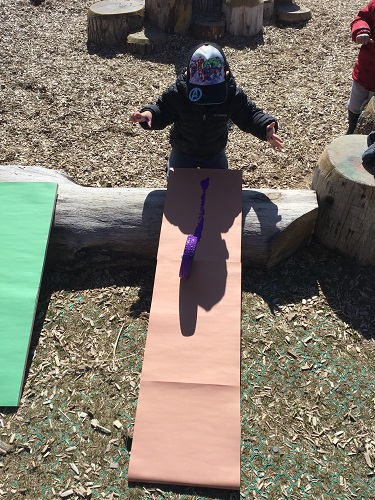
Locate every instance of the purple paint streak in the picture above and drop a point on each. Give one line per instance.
(198, 230)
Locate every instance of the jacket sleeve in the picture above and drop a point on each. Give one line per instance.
(363, 22)
(163, 111)
(249, 118)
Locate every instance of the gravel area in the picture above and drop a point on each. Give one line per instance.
(64, 108)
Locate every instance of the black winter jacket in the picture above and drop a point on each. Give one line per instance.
(202, 130)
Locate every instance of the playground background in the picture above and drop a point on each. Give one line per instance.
(308, 399)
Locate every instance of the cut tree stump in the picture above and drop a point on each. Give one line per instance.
(243, 17)
(207, 29)
(170, 16)
(290, 13)
(208, 8)
(268, 9)
(147, 41)
(109, 226)
(110, 21)
(366, 121)
(346, 197)
(208, 22)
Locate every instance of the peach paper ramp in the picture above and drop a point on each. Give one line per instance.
(187, 427)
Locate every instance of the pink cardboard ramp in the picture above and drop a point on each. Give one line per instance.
(187, 428)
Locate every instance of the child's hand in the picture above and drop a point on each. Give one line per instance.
(275, 141)
(146, 116)
(363, 39)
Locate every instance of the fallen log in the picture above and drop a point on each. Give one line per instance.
(105, 226)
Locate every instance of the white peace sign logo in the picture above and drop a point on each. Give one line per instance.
(195, 94)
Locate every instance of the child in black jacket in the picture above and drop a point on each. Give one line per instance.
(199, 105)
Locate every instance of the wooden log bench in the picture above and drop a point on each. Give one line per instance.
(106, 226)
(346, 197)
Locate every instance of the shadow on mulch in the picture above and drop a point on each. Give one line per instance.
(348, 287)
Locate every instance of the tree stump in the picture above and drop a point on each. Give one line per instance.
(147, 41)
(208, 22)
(288, 12)
(366, 121)
(170, 16)
(207, 29)
(113, 226)
(243, 17)
(208, 8)
(268, 9)
(346, 197)
(110, 21)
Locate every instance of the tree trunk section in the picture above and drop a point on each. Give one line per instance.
(112, 226)
(147, 41)
(208, 8)
(207, 29)
(268, 9)
(110, 22)
(346, 197)
(170, 16)
(208, 22)
(366, 121)
(243, 17)
(288, 12)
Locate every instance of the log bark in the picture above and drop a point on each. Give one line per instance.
(346, 197)
(207, 8)
(170, 16)
(208, 29)
(243, 17)
(147, 41)
(110, 21)
(108, 226)
(366, 121)
(268, 9)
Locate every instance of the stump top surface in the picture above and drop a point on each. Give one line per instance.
(110, 7)
(345, 154)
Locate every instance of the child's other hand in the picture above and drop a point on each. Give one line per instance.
(146, 116)
(275, 141)
(363, 39)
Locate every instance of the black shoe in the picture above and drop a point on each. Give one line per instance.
(352, 119)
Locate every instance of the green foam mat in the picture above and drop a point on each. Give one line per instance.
(26, 212)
